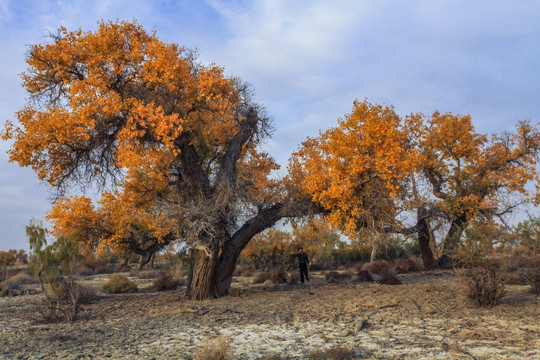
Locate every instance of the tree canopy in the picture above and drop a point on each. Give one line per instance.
(172, 143)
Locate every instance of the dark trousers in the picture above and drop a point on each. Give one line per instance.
(303, 271)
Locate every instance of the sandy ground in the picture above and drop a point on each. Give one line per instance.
(427, 317)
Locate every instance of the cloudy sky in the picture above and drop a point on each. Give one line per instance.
(307, 60)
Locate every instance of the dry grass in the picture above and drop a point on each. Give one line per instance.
(532, 274)
(166, 282)
(145, 274)
(218, 349)
(364, 276)
(260, 277)
(377, 267)
(279, 276)
(19, 279)
(389, 278)
(293, 278)
(334, 276)
(336, 352)
(402, 266)
(118, 284)
(243, 270)
(483, 280)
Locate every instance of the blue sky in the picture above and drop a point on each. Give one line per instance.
(307, 61)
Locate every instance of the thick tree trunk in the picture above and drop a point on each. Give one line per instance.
(454, 234)
(202, 282)
(422, 228)
(424, 241)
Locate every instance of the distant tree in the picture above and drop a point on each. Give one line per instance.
(359, 171)
(474, 176)
(528, 234)
(122, 109)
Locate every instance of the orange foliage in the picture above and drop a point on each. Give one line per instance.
(357, 170)
(118, 106)
(473, 174)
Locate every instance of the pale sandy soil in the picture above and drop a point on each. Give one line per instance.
(428, 317)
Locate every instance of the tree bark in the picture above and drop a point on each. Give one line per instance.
(428, 258)
(203, 275)
(454, 234)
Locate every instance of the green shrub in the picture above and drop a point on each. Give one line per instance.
(119, 284)
(55, 266)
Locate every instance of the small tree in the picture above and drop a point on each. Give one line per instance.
(55, 269)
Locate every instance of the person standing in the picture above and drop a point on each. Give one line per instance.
(303, 263)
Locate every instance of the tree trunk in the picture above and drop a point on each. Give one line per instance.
(454, 234)
(424, 241)
(422, 230)
(202, 282)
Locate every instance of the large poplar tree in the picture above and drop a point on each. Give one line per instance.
(173, 143)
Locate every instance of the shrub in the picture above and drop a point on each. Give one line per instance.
(336, 352)
(243, 270)
(119, 284)
(317, 267)
(146, 274)
(214, 350)
(403, 266)
(86, 295)
(388, 278)
(334, 276)
(166, 282)
(515, 278)
(279, 276)
(293, 278)
(532, 274)
(19, 279)
(261, 277)
(84, 270)
(358, 266)
(55, 266)
(377, 267)
(364, 276)
(483, 280)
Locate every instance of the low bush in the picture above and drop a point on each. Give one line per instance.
(146, 274)
(218, 349)
(293, 278)
(515, 278)
(19, 279)
(243, 270)
(317, 267)
(389, 278)
(334, 276)
(279, 276)
(119, 284)
(483, 280)
(336, 352)
(166, 282)
(260, 277)
(403, 266)
(364, 276)
(84, 270)
(358, 266)
(377, 267)
(532, 274)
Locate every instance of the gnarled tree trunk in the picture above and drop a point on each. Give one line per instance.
(203, 274)
(454, 234)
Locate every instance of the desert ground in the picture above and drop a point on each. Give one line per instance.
(427, 317)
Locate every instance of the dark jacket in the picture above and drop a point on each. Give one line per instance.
(302, 258)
